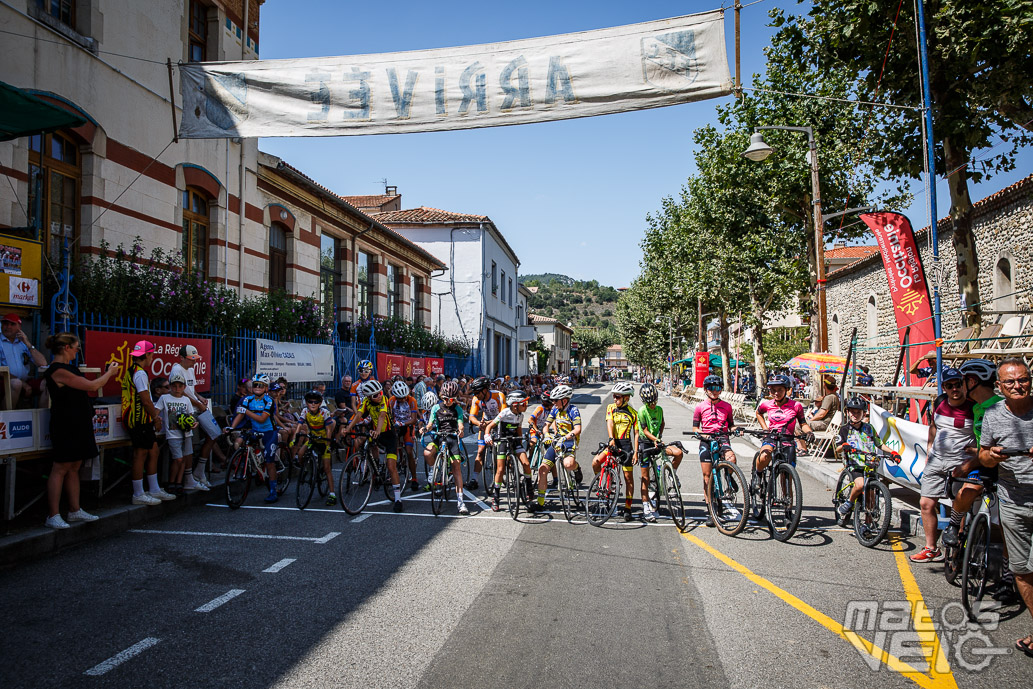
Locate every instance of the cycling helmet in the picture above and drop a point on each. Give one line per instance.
(479, 384)
(260, 379)
(369, 388)
(623, 387)
(984, 370)
(313, 396)
(365, 365)
(400, 389)
(713, 380)
(186, 422)
(780, 379)
(516, 397)
(429, 400)
(648, 393)
(545, 396)
(450, 389)
(561, 392)
(950, 373)
(856, 403)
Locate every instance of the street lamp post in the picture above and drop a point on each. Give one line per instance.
(758, 150)
(670, 351)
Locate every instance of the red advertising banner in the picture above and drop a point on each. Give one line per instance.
(701, 368)
(390, 365)
(415, 366)
(104, 347)
(908, 286)
(436, 365)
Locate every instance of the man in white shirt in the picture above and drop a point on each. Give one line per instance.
(17, 353)
(188, 356)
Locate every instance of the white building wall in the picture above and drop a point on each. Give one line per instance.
(500, 308)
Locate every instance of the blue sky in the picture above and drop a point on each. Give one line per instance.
(571, 197)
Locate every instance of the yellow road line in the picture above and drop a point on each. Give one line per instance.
(858, 642)
(923, 624)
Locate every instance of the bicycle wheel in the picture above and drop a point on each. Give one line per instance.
(488, 469)
(324, 482)
(671, 498)
(439, 483)
(284, 471)
(570, 497)
(842, 492)
(953, 556)
(306, 484)
(758, 491)
(872, 514)
(238, 478)
(601, 500)
(729, 499)
(401, 464)
(975, 571)
(356, 483)
(784, 502)
(514, 486)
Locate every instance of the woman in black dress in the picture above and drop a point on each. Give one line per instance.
(71, 426)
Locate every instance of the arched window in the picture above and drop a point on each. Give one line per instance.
(54, 162)
(873, 322)
(277, 256)
(834, 335)
(196, 225)
(1004, 299)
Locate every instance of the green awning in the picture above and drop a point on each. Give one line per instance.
(715, 360)
(23, 114)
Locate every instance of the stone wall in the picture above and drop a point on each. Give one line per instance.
(1003, 226)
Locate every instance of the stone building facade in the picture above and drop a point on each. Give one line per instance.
(858, 295)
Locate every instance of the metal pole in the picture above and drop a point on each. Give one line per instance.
(738, 69)
(931, 173)
(819, 243)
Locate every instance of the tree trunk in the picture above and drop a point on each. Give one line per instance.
(725, 358)
(963, 239)
(812, 270)
(757, 309)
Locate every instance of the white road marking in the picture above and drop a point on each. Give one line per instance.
(273, 537)
(327, 538)
(475, 500)
(216, 602)
(361, 517)
(119, 658)
(280, 565)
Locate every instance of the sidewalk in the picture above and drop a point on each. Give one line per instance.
(905, 513)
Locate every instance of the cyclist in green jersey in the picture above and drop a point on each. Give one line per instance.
(651, 423)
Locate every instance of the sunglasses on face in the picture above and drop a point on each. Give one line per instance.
(714, 388)
(449, 400)
(951, 386)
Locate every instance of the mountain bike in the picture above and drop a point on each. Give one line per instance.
(441, 481)
(666, 482)
(245, 464)
(874, 507)
(363, 472)
(776, 494)
(729, 504)
(311, 476)
(982, 563)
(606, 488)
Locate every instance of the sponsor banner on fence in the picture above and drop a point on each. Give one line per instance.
(16, 430)
(619, 69)
(415, 366)
(294, 361)
(390, 365)
(906, 278)
(435, 365)
(906, 437)
(104, 347)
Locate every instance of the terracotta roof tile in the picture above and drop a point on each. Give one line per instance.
(375, 201)
(851, 252)
(423, 214)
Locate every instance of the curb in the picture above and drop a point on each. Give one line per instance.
(827, 474)
(40, 541)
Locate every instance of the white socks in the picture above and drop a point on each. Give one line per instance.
(152, 482)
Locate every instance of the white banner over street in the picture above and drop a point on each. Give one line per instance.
(634, 67)
(298, 363)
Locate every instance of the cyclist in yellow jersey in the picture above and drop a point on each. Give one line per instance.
(622, 431)
(316, 428)
(484, 406)
(564, 430)
(375, 408)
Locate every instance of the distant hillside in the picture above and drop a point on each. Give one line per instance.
(583, 303)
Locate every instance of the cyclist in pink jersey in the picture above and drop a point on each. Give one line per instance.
(780, 415)
(714, 417)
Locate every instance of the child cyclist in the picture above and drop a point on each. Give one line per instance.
(257, 408)
(780, 414)
(714, 417)
(510, 424)
(316, 428)
(536, 425)
(176, 412)
(446, 418)
(651, 426)
(484, 406)
(622, 431)
(374, 407)
(857, 436)
(405, 413)
(564, 430)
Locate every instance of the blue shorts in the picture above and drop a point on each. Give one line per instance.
(269, 439)
(567, 446)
